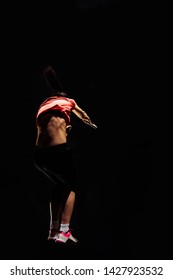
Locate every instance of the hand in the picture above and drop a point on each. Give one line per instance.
(90, 123)
(86, 120)
(68, 129)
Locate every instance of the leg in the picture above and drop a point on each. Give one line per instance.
(58, 200)
(61, 213)
(55, 213)
(68, 209)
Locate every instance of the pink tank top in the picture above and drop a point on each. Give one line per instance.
(63, 104)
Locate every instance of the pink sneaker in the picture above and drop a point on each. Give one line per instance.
(64, 237)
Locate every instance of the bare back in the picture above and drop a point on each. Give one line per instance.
(51, 130)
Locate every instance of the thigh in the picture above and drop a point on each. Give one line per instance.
(58, 164)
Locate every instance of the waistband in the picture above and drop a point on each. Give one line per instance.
(59, 147)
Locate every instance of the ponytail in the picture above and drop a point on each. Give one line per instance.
(53, 82)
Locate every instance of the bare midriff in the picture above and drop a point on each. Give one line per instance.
(51, 130)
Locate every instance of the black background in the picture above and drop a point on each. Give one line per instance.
(104, 54)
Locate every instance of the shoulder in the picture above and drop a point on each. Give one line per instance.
(72, 101)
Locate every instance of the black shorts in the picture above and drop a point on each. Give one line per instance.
(58, 164)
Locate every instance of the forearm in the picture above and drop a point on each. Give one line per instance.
(81, 113)
(83, 116)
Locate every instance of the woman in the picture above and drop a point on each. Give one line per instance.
(53, 157)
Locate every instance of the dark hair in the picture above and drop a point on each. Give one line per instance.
(53, 82)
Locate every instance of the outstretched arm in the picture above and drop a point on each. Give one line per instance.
(83, 116)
